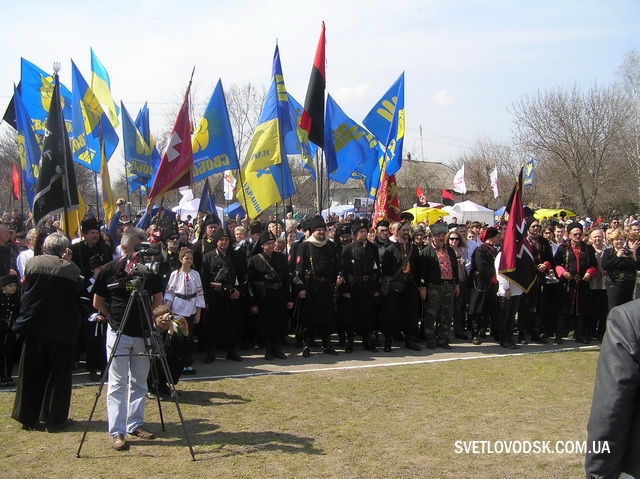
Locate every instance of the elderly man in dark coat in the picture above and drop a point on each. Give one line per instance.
(224, 278)
(360, 268)
(49, 322)
(270, 299)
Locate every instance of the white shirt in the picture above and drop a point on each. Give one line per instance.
(505, 283)
(21, 261)
(184, 284)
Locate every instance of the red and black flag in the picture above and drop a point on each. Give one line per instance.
(312, 119)
(447, 198)
(517, 262)
(421, 197)
(56, 190)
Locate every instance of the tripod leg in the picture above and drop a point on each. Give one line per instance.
(157, 350)
(155, 381)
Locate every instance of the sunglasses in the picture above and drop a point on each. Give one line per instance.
(454, 239)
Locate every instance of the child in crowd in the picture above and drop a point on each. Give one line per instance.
(185, 297)
(9, 310)
(96, 326)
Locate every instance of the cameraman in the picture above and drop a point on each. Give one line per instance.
(129, 367)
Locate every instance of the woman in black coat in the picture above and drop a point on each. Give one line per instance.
(621, 265)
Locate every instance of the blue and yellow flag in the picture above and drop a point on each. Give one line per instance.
(386, 122)
(28, 147)
(346, 144)
(94, 138)
(528, 172)
(297, 141)
(266, 176)
(101, 87)
(142, 123)
(212, 143)
(137, 154)
(36, 90)
(207, 203)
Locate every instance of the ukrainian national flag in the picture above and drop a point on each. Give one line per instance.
(101, 87)
(94, 138)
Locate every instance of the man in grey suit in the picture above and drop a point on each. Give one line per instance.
(613, 430)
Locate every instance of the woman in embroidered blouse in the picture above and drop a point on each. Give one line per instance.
(185, 296)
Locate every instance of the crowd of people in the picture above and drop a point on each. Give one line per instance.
(327, 286)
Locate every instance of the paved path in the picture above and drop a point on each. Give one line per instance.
(254, 364)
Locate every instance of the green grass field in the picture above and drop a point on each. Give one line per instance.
(400, 421)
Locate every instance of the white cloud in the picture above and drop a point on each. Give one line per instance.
(348, 94)
(442, 98)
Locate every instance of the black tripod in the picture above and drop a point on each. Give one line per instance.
(154, 348)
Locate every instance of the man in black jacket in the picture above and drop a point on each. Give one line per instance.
(613, 430)
(49, 322)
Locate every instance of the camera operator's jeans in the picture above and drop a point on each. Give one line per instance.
(125, 409)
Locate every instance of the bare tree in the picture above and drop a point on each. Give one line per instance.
(575, 137)
(245, 105)
(629, 74)
(480, 160)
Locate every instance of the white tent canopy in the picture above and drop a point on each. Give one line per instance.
(189, 205)
(470, 211)
(340, 210)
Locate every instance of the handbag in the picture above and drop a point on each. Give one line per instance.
(391, 283)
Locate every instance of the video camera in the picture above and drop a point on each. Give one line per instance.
(145, 252)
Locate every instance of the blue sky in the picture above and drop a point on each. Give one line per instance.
(465, 62)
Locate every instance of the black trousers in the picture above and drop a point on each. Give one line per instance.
(44, 389)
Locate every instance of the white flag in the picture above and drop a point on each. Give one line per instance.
(229, 185)
(494, 181)
(459, 185)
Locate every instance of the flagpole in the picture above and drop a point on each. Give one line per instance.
(318, 182)
(22, 193)
(65, 172)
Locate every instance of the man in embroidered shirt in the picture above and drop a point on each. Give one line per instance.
(438, 270)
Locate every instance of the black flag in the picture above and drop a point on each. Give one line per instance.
(56, 189)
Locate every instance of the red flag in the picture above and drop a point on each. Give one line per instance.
(176, 165)
(387, 204)
(15, 176)
(447, 198)
(517, 262)
(312, 119)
